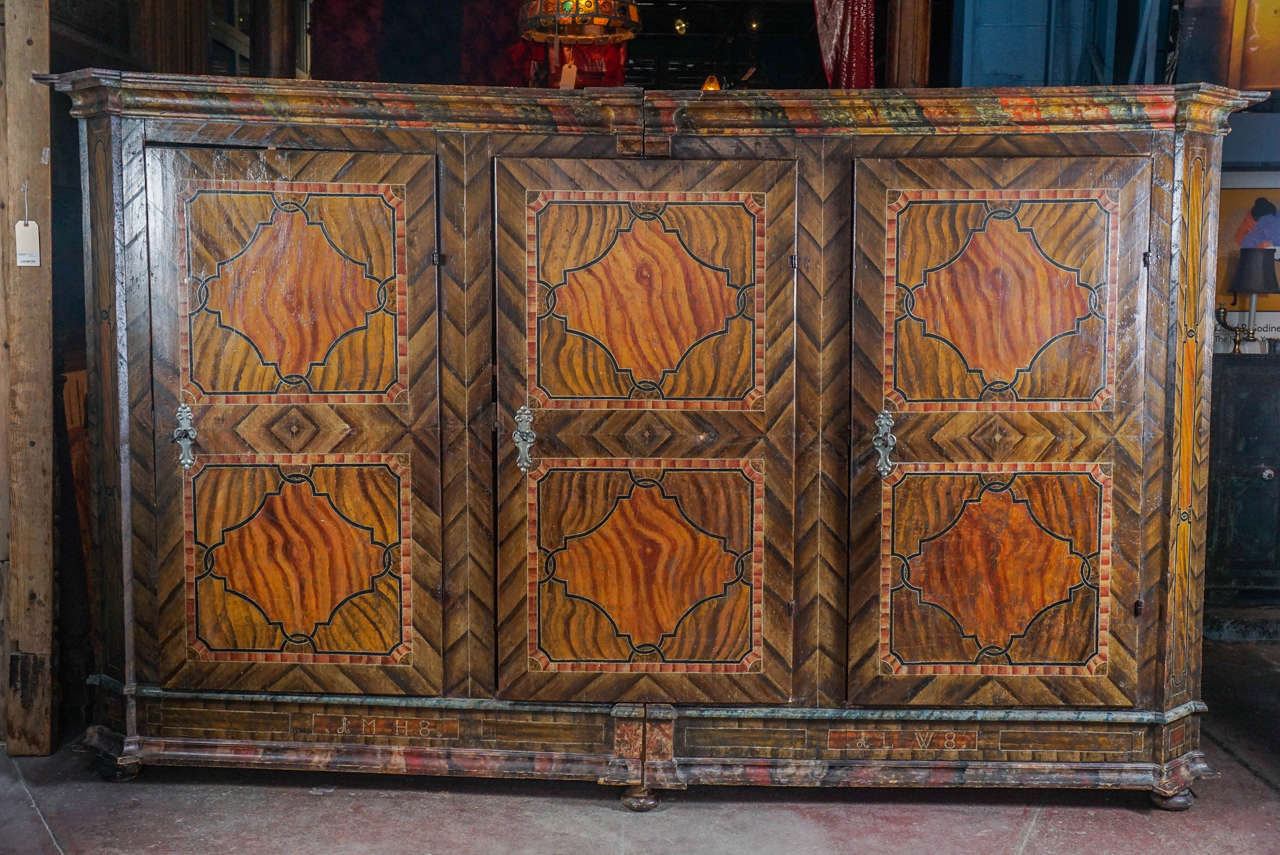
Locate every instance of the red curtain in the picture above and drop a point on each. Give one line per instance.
(845, 32)
(344, 38)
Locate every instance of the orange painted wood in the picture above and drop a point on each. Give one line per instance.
(1000, 300)
(653, 348)
(299, 560)
(293, 292)
(671, 300)
(657, 570)
(306, 537)
(996, 568)
(647, 296)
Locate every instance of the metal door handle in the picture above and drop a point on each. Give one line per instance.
(1268, 474)
(524, 437)
(883, 442)
(184, 435)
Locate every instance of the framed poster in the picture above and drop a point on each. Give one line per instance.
(1249, 215)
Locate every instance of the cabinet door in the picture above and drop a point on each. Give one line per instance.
(645, 322)
(294, 317)
(999, 338)
(1244, 497)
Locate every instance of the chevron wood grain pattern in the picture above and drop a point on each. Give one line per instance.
(611, 436)
(298, 433)
(118, 406)
(1162, 333)
(830, 158)
(1194, 260)
(824, 229)
(469, 419)
(1024, 437)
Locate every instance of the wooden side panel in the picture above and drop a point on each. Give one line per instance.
(295, 306)
(29, 651)
(1196, 166)
(118, 413)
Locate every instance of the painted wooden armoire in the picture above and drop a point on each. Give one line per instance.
(654, 439)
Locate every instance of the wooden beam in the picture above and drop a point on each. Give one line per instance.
(273, 42)
(6, 249)
(28, 297)
(908, 44)
(175, 35)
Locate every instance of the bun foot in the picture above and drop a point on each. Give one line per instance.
(639, 798)
(1180, 800)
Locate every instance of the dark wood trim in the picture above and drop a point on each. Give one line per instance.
(273, 49)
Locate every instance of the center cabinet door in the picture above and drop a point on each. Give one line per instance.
(1000, 344)
(645, 328)
(294, 318)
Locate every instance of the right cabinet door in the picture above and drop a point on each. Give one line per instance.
(1000, 324)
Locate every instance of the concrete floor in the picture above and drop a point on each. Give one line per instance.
(57, 804)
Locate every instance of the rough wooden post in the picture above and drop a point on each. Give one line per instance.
(29, 338)
(908, 44)
(273, 42)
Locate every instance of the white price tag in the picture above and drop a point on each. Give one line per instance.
(569, 76)
(28, 243)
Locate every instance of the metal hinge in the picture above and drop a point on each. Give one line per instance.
(1137, 607)
(1146, 259)
(436, 258)
(795, 262)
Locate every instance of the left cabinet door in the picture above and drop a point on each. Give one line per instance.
(293, 302)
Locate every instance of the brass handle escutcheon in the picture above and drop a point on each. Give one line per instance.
(524, 437)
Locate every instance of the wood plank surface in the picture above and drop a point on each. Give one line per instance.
(28, 298)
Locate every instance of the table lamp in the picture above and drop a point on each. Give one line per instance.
(1255, 274)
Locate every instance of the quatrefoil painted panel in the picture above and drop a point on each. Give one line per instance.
(649, 300)
(299, 558)
(646, 566)
(1000, 300)
(294, 293)
(996, 569)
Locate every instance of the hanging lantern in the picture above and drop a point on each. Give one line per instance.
(579, 21)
